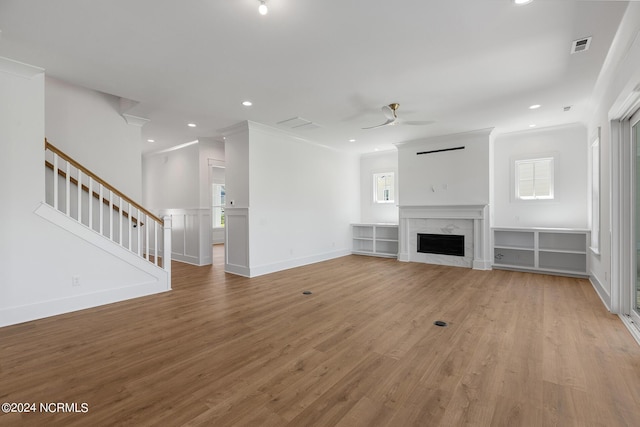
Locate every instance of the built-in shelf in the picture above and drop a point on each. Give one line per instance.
(546, 250)
(375, 239)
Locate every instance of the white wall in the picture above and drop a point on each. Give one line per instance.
(87, 125)
(302, 198)
(617, 81)
(458, 177)
(385, 161)
(569, 207)
(37, 258)
(172, 179)
(210, 151)
(176, 183)
(237, 168)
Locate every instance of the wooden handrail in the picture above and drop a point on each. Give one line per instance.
(96, 195)
(53, 148)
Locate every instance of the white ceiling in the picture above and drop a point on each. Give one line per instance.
(464, 64)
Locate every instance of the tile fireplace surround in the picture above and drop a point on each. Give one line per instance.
(471, 221)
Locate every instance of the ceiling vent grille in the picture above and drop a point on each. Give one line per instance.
(298, 123)
(580, 45)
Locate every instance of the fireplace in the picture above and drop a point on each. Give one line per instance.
(441, 244)
(466, 227)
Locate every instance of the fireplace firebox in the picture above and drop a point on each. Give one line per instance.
(442, 244)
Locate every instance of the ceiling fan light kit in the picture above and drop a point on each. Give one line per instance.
(262, 9)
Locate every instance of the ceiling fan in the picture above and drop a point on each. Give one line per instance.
(390, 112)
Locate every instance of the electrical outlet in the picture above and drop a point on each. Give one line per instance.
(75, 281)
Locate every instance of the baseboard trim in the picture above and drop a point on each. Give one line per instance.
(239, 270)
(482, 265)
(40, 310)
(404, 257)
(633, 328)
(602, 293)
(297, 262)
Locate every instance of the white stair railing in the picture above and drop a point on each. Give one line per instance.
(102, 208)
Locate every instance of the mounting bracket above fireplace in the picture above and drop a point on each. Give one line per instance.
(440, 150)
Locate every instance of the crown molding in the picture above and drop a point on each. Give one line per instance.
(135, 120)
(19, 69)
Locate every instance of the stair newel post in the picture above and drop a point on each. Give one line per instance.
(120, 220)
(101, 209)
(55, 180)
(146, 241)
(90, 201)
(110, 215)
(67, 189)
(140, 232)
(79, 188)
(130, 227)
(155, 243)
(166, 244)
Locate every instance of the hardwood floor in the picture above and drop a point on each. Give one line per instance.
(362, 350)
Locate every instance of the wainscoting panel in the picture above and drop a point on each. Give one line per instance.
(237, 241)
(190, 235)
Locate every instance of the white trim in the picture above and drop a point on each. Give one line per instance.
(40, 310)
(298, 262)
(481, 233)
(135, 120)
(631, 326)
(239, 246)
(19, 69)
(601, 291)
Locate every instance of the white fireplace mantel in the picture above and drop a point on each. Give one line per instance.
(477, 214)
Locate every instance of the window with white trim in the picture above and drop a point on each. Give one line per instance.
(383, 187)
(534, 179)
(217, 205)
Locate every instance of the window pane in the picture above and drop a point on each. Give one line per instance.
(218, 201)
(534, 179)
(542, 188)
(526, 188)
(383, 187)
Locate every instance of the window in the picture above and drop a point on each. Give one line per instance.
(534, 179)
(217, 205)
(383, 187)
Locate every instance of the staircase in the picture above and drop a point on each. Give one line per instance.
(87, 200)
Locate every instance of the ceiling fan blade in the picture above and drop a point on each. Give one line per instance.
(387, 123)
(417, 122)
(388, 112)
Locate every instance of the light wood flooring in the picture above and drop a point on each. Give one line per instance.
(520, 349)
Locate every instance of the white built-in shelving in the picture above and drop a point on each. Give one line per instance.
(375, 239)
(547, 250)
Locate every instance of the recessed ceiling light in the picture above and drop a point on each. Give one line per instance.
(534, 106)
(532, 126)
(262, 9)
(376, 149)
(352, 140)
(247, 103)
(191, 125)
(521, 2)
(151, 140)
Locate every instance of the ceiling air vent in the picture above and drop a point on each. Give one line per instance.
(298, 123)
(580, 45)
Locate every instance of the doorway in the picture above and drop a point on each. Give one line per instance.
(633, 306)
(217, 195)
